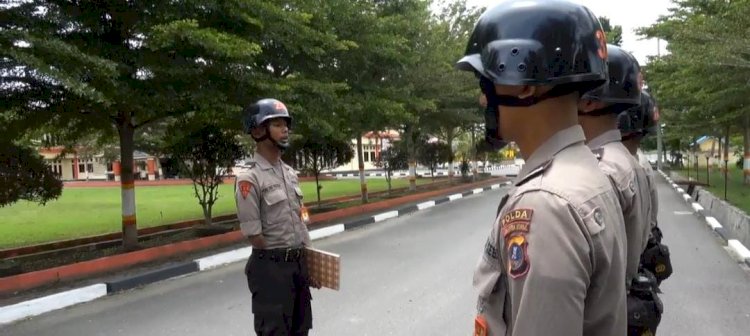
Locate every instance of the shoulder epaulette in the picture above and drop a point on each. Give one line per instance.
(501, 205)
(534, 173)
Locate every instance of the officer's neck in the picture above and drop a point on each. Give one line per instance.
(593, 127)
(271, 153)
(542, 121)
(632, 146)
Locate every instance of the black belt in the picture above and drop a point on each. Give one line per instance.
(282, 254)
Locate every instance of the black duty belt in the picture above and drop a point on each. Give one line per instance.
(282, 254)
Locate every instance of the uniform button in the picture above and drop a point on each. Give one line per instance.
(598, 217)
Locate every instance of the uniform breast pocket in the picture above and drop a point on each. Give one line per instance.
(298, 191)
(276, 209)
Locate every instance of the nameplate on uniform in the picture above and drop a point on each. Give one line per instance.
(324, 267)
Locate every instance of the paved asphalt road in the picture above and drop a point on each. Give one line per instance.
(409, 276)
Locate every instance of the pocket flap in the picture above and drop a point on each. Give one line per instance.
(274, 197)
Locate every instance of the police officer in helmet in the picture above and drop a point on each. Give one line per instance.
(598, 111)
(269, 208)
(645, 308)
(554, 262)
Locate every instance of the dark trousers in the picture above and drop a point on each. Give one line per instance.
(281, 296)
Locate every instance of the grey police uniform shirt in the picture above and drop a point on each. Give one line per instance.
(269, 202)
(652, 186)
(632, 187)
(554, 263)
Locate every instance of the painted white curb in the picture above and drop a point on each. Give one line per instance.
(739, 249)
(686, 197)
(455, 197)
(713, 223)
(52, 302)
(326, 231)
(385, 215)
(697, 208)
(224, 258)
(495, 186)
(478, 190)
(680, 190)
(425, 205)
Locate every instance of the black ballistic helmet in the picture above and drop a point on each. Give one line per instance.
(538, 42)
(621, 91)
(535, 42)
(635, 121)
(258, 113)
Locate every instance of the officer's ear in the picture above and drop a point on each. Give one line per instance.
(586, 105)
(258, 132)
(528, 91)
(520, 91)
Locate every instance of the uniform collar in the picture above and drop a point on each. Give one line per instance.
(544, 154)
(612, 135)
(262, 162)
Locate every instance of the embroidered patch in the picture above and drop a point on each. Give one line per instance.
(517, 220)
(490, 250)
(515, 226)
(518, 257)
(245, 187)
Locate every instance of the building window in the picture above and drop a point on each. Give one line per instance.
(81, 168)
(372, 157)
(90, 167)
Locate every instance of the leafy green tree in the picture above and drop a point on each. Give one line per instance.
(204, 154)
(313, 154)
(392, 159)
(614, 33)
(78, 67)
(434, 153)
(25, 176)
(702, 82)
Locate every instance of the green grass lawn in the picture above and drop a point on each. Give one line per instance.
(81, 212)
(737, 193)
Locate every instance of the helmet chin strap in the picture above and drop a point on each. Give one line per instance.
(282, 146)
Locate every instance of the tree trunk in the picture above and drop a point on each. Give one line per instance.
(746, 161)
(450, 134)
(412, 160)
(473, 156)
(317, 186)
(711, 158)
(360, 159)
(726, 161)
(388, 180)
(720, 141)
(127, 183)
(207, 215)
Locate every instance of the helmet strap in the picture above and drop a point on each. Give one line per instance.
(491, 112)
(267, 136)
(513, 101)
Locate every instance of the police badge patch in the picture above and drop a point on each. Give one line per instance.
(245, 187)
(515, 226)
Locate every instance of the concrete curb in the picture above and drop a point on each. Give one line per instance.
(35, 307)
(50, 303)
(735, 246)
